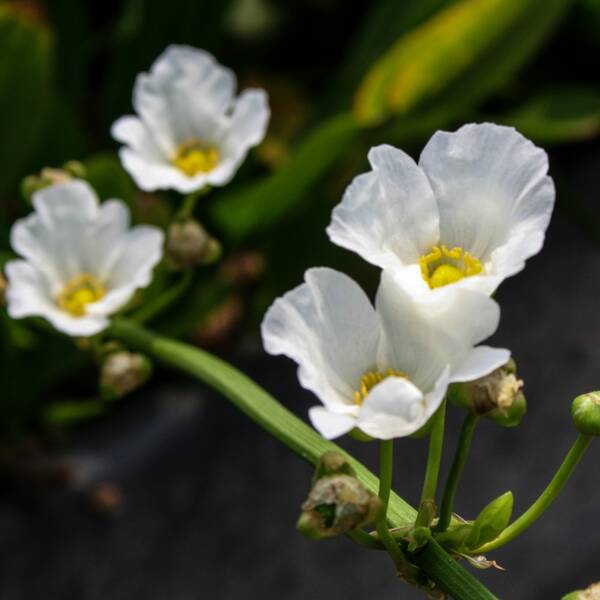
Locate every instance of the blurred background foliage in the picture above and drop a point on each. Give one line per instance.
(341, 77)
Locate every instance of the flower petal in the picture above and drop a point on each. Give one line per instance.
(394, 408)
(426, 332)
(329, 424)
(134, 133)
(328, 326)
(480, 362)
(249, 121)
(493, 193)
(389, 215)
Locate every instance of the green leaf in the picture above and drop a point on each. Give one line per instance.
(25, 69)
(258, 206)
(108, 178)
(70, 412)
(479, 42)
(263, 409)
(559, 115)
(491, 522)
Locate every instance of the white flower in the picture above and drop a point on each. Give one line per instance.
(471, 212)
(383, 370)
(190, 130)
(81, 261)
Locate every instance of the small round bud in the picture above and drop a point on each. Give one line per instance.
(590, 593)
(337, 504)
(48, 176)
(122, 372)
(585, 411)
(189, 245)
(75, 169)
(498, 396)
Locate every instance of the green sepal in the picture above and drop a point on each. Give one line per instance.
(491, 522)
(585, 411)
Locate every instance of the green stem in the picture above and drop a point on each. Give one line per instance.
(154, 307)
(460, 458)
(299, 437)
(537, 509)
(189, 202)
(386, 463)
(434, 458)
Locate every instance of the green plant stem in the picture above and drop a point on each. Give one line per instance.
(434, 457)
(537, 509)
(458, 465)
(262, 408)
(386, 464)
(154, 307)
(188, 205)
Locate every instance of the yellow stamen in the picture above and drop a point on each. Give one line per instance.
(443, 266)
(369, 380)
(80, 291)
(193, 157)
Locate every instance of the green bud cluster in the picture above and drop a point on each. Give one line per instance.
(189, 245)
(48, 176)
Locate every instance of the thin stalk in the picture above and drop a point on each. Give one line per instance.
(434, 457)
(386, 464)
(154, 307)
(188, 205)
(263, 409)
(460, 458)
(537, 509)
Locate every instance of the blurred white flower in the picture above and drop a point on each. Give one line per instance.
(190, 130)
(384, 370)
(81, 263)
(470, 213)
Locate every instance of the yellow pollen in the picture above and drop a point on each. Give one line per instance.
(442, 266)
(369, 380)
(193, 157)
(80, 291)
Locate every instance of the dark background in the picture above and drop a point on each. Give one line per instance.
(172, 493)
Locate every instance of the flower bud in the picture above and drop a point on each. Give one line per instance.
(122, 372)
(50, 176)
(338, 502)
(585, 411)
(498, 396)
(590, 593)
(189, 245)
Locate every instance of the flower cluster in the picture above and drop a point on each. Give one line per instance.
(445, 232)
(81, 262)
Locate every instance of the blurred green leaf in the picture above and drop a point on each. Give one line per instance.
(560, 115)
(491, 522)
(477, 43)
(257, 207)
(108, 178)
(70, 412)
(25, 71)
(386, 21)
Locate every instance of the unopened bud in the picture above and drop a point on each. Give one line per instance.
(122, 372)
(585, 411)
(189, 245)
(338, 502)
(591, 593)
(498, 396)
(51, 176)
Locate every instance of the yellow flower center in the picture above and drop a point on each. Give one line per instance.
(193, 157)
(80, 291)
(369, 380)
(442, 266)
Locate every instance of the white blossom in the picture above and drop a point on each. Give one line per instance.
(190, 131)
(470, 213)
(80, 260)
(384, 370)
